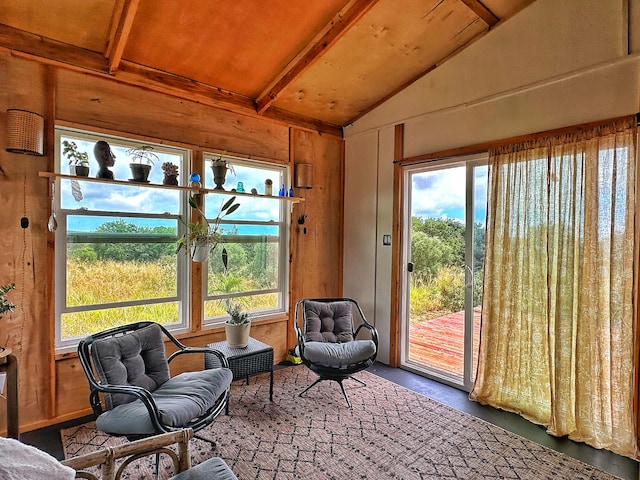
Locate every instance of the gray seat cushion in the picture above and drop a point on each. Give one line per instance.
(339, 355)
(179, 400)
(213, 469)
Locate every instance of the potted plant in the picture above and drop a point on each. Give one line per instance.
(6, 305)
(142, 159)
(220, 166)
(237, 327)
(170, 171)
(203, 236)
(78, 161)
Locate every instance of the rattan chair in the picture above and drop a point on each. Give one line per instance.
(127, 368)
(328, 342)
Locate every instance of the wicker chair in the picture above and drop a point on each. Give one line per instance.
(127, 367)
(328, 342)
(214, 468)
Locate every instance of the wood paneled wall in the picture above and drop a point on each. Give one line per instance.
(53, 388)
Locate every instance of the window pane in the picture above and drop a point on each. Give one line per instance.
(116, 257)
(262, 303)
(254, 241)
(92, 282)
(80, 324)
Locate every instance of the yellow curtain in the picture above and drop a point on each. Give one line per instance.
(558, 314)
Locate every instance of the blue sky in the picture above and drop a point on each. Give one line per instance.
(441, 193)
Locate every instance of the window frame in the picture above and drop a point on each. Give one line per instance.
(183, 276)
(282, 287)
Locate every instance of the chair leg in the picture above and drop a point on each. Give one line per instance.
(344, 393)
(157, 471)
(306, 389)
(210, 442)
(358, 380)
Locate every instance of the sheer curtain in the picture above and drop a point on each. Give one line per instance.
(558, 315)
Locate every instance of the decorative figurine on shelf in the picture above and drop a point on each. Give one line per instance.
(170, 173)
(219, 166)
(268, 187)
(105, 157)
(194, 179)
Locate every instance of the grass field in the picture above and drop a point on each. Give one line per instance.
(104, 282)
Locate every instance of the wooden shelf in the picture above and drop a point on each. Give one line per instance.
(196, 190)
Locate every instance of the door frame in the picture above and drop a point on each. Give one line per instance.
(469, 162)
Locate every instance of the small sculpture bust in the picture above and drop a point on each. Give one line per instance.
(105, 157)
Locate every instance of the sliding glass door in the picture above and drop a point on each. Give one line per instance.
(444, 232)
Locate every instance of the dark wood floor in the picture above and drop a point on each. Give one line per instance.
(48, 439)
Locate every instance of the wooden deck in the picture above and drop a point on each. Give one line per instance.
(439, 342)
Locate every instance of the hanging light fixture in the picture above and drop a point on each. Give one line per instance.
(25, 132)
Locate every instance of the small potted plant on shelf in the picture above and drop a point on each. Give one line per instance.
(142, 159)
(78, 161)
(203, 236)
(220, 166)
(170, 171)
(237, 327)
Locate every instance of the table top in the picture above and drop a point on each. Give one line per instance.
(253, 347)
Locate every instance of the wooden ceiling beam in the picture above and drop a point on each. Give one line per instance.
(25, 44)
(118, 41)
(483, 12)
(51, 52)
(329, 34)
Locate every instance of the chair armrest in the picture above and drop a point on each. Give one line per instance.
(141, 394)
(221, 356)
(372, 330)
(133, 450)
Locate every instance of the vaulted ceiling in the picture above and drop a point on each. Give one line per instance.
(319, 64)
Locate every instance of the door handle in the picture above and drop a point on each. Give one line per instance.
(468, 283)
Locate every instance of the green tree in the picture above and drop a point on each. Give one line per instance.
(429, 255)
(140, 252)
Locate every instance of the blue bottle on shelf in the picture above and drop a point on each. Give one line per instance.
(291, 192)
(282, 192)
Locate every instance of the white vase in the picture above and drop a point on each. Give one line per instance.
(237, 335)
(200, 253)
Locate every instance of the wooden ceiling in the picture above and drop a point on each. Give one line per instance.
(318, 64)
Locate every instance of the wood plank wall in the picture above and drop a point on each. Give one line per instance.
(53, 388)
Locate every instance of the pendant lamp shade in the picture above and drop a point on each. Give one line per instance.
(25, 132)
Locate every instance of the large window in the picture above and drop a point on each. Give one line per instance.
(255, 241)
(115, 243)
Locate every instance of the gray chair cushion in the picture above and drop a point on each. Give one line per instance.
(137, 359)
(328, 322)
(213, 469)
(179, 400)
(339, 355)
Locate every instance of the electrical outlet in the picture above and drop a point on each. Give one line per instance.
(3, 380)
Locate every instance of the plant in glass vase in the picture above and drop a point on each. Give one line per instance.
(203, 236)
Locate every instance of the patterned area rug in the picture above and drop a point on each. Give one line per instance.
(391, 433)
